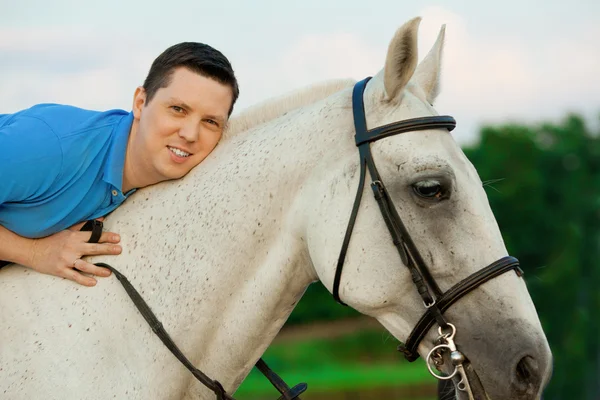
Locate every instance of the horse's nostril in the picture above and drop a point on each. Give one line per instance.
(524, 369)
(528, 375)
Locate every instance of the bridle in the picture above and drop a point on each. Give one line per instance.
(435, 301)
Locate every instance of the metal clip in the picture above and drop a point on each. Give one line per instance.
(456, 357)
(449, 345)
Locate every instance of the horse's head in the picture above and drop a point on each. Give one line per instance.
(441, 202)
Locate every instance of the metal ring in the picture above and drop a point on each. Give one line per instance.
(73, 265)
(446, 335)
(443, 378)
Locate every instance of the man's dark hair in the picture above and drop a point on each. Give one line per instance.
(197, 57)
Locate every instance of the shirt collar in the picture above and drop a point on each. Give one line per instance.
(115, 161)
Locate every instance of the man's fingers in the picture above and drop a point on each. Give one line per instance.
(109, 237)
(96, 249)
(92, 269)
(76, 276)
(106, 237)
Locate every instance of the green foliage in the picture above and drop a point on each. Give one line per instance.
(318, 305)
(358, 363)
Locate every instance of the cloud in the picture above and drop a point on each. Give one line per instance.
(87, 69)
(309, 59)
(331, 56)
(486, 77)
(494, 79)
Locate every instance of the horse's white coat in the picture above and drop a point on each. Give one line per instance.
(223, 255)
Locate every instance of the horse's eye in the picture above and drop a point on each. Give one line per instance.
(429, 189)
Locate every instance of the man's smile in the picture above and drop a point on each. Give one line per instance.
(179, 152)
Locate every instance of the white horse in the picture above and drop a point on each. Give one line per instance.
(223, 255)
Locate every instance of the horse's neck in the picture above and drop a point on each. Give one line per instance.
(225, 244)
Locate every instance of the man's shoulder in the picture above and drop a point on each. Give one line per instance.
(67, 120)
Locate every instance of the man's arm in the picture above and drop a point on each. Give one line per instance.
(15, 248)
(59, 254)
(31, 158)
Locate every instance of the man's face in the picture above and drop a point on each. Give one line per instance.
(180, 125)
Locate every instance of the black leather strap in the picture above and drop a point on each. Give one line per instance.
(353, 215)
(95, 227)
(364, 135)
(158, 328)
(414, 259)
(454, 294)
(400, 236)
(287, 393)
(408, 125)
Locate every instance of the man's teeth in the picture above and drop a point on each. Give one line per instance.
(178, 152)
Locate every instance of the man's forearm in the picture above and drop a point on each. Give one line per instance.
(15, 248)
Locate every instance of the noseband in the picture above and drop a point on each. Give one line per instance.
(435, 301)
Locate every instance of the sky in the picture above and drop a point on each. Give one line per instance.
(524, 61)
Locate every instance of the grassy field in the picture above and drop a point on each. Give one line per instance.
(358, 365)
(342, 381)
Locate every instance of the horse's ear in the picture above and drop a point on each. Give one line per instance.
(428, 72)
(402, 57)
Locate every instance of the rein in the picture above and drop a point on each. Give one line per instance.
(287, 393)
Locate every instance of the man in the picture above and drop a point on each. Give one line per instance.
(62, 165)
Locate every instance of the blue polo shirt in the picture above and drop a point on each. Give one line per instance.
(60, 165)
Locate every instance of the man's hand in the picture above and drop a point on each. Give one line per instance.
(60, 254)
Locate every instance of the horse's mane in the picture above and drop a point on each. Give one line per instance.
(277, 106)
